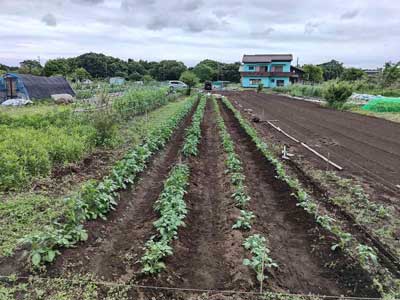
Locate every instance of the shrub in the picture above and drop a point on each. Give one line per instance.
(260, 87)
(337, 93)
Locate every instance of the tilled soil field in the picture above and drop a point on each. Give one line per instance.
(364, 146)
(208, 253)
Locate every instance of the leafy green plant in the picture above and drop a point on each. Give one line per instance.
(232, 162)
(367, 255)
(97, 199)
(172, 209)
(260, 87)
(337, 93)
(260, 260)
(155, 252)
(193, 133)
(244, 220)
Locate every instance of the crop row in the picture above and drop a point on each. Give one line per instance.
(96, 199)
(193, 133)
(171, 205)
(172, 209)
(364, 254)
(255, 244)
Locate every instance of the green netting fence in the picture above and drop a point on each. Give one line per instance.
(383, 104)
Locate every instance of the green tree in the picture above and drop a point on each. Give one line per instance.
(391, 74)
(313, 73)
(230, 72)
(167, 70)
(353, 74)
(332, 69)
(30, 67)
(147, 79)
(57, 66)
(190, 79)
(95, 64)
(81, 74)
(204, 72)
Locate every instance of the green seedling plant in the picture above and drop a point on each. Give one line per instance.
(260, 259)
(232, 162)
(193, 133)
(367, 255)
(172, 209)
(244, 220)
(96, 199)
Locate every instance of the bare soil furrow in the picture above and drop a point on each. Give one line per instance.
(116, 244)
(208, 253)
(306, 263)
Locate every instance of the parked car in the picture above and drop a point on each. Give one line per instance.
(177, 85)
(208, 86)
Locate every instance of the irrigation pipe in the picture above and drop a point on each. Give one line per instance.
(196, 290)
(305, 146)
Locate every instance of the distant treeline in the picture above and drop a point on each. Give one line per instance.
(100, 66)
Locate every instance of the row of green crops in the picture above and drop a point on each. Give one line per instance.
(364, 254)
(171, 205)
(140, 100)
(234, 166)
(34, 140)
(193, 133)
(172, 210)
(255, 244)
(97, 199)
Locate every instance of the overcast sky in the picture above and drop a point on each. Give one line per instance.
(362, 33)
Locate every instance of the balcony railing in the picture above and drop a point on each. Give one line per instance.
(269, 74)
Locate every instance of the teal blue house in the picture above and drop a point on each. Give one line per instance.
(271, 70)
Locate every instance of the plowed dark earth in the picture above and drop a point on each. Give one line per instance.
(115, 245)
(366, 147)
(303, 259)
(208, 253)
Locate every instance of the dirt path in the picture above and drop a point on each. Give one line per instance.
(115, 245)
(208, 253)
(366, 147)
(294, 241)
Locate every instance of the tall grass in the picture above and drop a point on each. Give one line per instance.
(300, 90)
(317, 91)
(35, 140)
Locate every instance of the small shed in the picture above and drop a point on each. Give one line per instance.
(31, 87)
(117, 80)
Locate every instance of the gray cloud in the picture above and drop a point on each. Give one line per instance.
(49, 20)
(194, 29)
(350, 14)
(85, 2)
(311, 27)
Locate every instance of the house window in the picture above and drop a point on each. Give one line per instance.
(255, 81)
(280, 82)
(251, 68)
(277, 68)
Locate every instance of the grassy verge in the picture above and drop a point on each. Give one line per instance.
(28, 213)
(391, 116)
